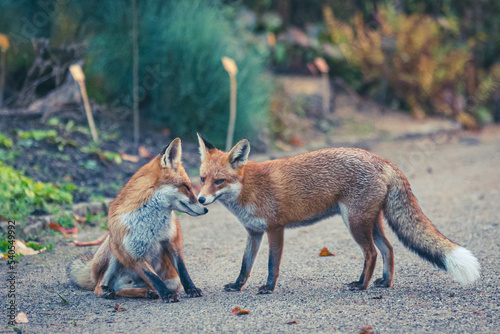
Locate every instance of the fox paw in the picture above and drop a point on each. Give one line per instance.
(152, 295)
(265, 290)
(356, 286)
(233, 287)
(108, 293)
(382, 283)
(194, 292)
(171, 298)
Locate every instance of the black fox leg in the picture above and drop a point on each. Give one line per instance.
(147, 273)
(188, 285)
(275, 238)
(385, 249)
(253, 243)
(108, 291)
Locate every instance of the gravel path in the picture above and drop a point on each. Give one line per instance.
(457, 181)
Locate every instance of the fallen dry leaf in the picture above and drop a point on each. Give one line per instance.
(55, 226)
(119, 308)
(21, 248)
(293, 322)
(144, 153)
(96, 242)
(58, 228)
(131, 158)
(326, 252)
(238, 311)
(378, 297)
(21, 318)
(367, 330)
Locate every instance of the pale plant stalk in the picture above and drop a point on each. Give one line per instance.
(232, 113)
(88, 111)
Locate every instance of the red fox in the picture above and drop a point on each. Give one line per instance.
(302, 190)
(144, 246)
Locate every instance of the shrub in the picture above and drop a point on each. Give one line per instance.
(20, 195)
(183, 85)
(415, 57)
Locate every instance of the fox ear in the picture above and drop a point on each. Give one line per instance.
(171, 154)
(238, 156)
(205, 145)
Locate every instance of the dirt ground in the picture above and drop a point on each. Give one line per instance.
(457, 181)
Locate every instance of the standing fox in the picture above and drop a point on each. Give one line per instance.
(302, 190)
(144, 246)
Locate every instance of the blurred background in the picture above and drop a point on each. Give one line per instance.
(309, 74)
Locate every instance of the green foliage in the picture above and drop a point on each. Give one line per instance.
(183, 85)
(20, 195)
(105, 156)
(65, 219)
(5, 141)
(26, 138)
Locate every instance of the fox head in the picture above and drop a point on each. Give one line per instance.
(221, 172)
(163, 181)
(173, 184)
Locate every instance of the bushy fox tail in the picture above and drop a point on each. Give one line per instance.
(79, 272)
(418, 233)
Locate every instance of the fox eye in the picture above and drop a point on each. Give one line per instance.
(202, 179)
(219, 181)
(187, 187)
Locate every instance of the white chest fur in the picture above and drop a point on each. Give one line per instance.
(246, 215)
(148, 225)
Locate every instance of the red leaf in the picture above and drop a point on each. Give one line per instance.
(367, 330)
(293, 322)
(238, 311)
(326, 252)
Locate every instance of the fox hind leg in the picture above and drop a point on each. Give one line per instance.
(387, 252)
(361, 228)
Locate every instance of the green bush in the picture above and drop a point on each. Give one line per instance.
(183, 85)
(20, 195)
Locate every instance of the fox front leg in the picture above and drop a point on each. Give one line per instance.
(253, 244)
(188, 285)
(275, 238)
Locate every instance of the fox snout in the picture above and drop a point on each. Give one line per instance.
(193, 209)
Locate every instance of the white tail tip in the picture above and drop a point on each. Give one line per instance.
(174, 284)
(462, 265)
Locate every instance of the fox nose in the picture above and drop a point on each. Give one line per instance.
(206, 210)
(202, 200)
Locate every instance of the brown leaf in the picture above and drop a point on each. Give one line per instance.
(119, 308)
(367, 330)
(293, 322)
(21, 318)
(144, 153)
(55, 226)
(238, 311)
(96, 242)
(326, 252)
(378, 297)
(131, 158)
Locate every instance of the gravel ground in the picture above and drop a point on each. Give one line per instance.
(457, 181)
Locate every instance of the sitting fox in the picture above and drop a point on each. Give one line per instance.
(142, 256)
(302, 190)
